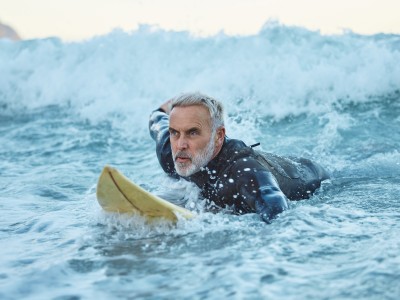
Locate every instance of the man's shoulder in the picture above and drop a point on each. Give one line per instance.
(232, 146)
(237, 154)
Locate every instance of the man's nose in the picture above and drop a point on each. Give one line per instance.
(182, 143)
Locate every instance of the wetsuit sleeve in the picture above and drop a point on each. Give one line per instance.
(159, 131)
(259, 189)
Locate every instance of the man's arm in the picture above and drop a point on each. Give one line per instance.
(259, 189)
(159, 131)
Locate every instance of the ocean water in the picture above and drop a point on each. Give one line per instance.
(67, 109)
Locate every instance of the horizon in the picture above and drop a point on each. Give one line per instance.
(74, 20)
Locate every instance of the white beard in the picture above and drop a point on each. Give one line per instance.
(197, 162)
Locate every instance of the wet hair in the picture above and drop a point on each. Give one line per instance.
(214, 107)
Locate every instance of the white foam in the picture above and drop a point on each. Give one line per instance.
(123, 76)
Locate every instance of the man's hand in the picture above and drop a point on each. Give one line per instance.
(165, 106)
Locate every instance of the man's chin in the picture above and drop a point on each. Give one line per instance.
(186, 171)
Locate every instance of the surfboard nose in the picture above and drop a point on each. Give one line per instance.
(117, 193)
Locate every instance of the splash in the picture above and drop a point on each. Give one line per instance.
(281, 71)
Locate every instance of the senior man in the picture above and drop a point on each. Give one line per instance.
(191, 143)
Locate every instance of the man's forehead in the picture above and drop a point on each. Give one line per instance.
(196, 108)
(189, 114)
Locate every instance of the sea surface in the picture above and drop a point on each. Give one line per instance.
(67, 109)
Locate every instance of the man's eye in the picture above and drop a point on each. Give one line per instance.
(173, 132)
(194, 132)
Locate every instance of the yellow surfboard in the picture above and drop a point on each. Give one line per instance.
(116, 193)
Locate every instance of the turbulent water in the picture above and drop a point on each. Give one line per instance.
(67, 109)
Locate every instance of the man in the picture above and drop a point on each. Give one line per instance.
(190, 143)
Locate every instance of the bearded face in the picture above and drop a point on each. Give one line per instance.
(194, 142)
(187, 163)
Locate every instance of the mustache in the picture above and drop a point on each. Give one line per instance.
(182, 154)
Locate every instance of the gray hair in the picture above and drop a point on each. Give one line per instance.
(214, 107)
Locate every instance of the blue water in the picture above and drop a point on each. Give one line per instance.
(67, 109)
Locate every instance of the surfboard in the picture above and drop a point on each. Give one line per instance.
(117, 193)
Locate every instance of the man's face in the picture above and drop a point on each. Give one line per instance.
(192, 140)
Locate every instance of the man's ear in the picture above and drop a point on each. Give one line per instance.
(220, 135)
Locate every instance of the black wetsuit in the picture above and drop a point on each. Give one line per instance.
(242, 179)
